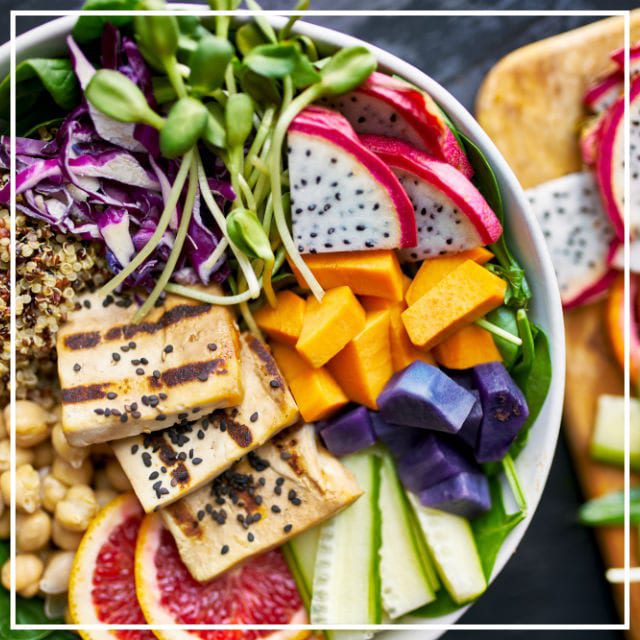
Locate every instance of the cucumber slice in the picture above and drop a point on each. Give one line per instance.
(607, 444)
(454, 551)
(423, 549)
(300, 552)
(405, 582)
(346, 583)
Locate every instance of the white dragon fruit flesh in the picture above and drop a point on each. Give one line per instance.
(343, 197)
(391, 107)
(579, 235)
(451, 214)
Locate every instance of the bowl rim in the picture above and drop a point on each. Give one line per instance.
(546, 300)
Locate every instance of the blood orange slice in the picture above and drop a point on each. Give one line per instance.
(102, 586)
(615, 324)
(259, 591)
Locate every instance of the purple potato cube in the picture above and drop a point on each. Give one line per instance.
(465, 494)
(469, 431)
(504, 411)
(423, 396)
(349, 433)
(433, 460)
(397, 438)
(463, 377)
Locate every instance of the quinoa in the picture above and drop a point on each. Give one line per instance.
(52, 269)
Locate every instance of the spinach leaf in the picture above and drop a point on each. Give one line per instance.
(90, 27)
(518, 292)
(505, 318)
(535, 384)
(492, 528)
(46, 88)
(441, 606)
(608, 510)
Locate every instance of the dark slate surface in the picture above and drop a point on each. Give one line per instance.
(556, 576)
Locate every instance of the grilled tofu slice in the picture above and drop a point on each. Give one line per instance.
(166, 465)
(276, 492)
(119, 379)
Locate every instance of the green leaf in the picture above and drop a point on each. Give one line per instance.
(441, 606)
(505, 318)
(262, 22)
(346, 70)
(492, 528)
(280, 61)
(248, 36)
(90, 27)
(37, 75)
(262, 90)
(608, 510)
(535, 386)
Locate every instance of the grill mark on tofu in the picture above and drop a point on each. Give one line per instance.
(240, 433)
(184, 519)
(84, 393)
(173, 316)
(259, 348)
(188, 373)
(85, 340)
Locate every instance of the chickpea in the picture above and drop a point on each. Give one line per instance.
(63, 538)
(27, 488)
(105, 496)
(33, 531)
(23, 456)
(52, 492)
(31, 423)
(62, 470)
(42, 455)
(117, 477)
(55, 579)
(76, 510)
(5, 525)
(75, 456)
(28, 569)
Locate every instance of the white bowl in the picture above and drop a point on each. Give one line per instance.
(523, 233)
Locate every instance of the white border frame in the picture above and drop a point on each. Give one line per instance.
(625, 626)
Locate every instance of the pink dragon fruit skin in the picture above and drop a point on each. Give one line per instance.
(634, 58)
(328, 213)
(610, 160)
(603, 93)
(451, 214)
(384, 105)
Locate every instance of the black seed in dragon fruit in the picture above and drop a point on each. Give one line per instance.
(343, 197)
(451, 214)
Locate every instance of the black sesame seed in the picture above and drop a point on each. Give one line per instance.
(254, 416)
(296, 502)
(146, 459)
(163, 396)
(225, 549)
(132, 345)
(292, 494)
(76, 367)
(134, 449)
(200, 515)
(275, 508)
(277, 490)
(135, 362)
(197, 461)
(285, 455)
(258, 500)
(124, 418)
(203, 377)
(279, 481)
(168, 348)
(153, 475)
(200, 434)
(136, 415)
(161, 417)
(144, 361)
(140, 371)
(112, 395)
(156, 374)
(250, 537)
(274, 384)
(116, 356)
(287, 528)
(212, 346)
(99, 411)
(107, 412)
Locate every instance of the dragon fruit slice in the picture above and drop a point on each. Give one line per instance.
(610, 160)
(343, 197)
(391, 107)
(603, 93)
(578, 233)
(451, 214)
